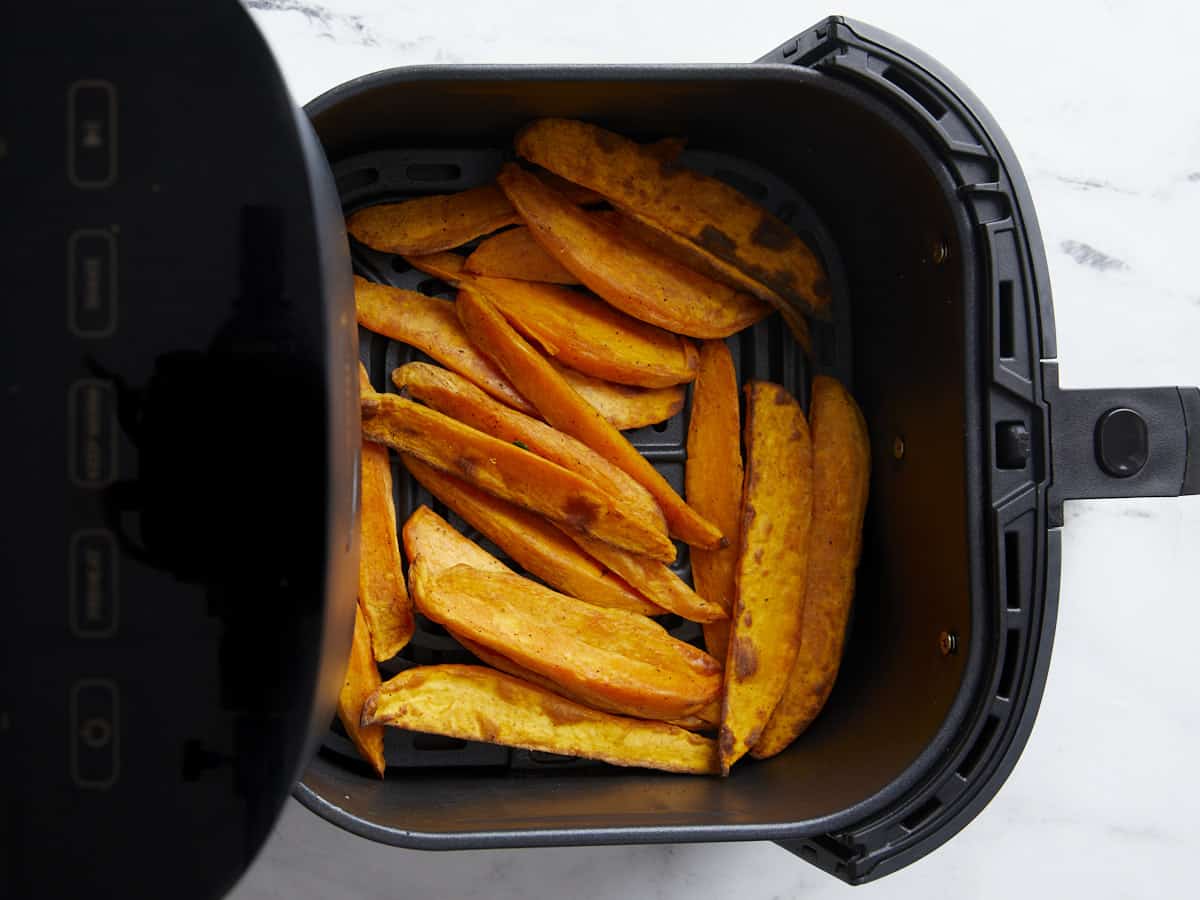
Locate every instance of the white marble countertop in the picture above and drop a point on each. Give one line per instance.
(1098, 101)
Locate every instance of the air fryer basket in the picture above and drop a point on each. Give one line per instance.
(909, 192)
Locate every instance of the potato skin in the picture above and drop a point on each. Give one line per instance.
(772, 566)
(713, 481)
(708, 212)
(841, 481)
(478, 704)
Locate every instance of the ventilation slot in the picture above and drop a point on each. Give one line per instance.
(916, 91)
(436, 742)
(400, 264)
(1011, 646)
(980, 747)
(1005, 323)
(433, 172)
(1012, 570)
(921, 814)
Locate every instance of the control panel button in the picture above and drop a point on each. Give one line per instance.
(92, 134)
(95, 734)
(1122, 443)
(93, 584)
(92, 433)
(92, 283)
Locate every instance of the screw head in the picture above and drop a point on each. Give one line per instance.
(941, 252)
(948, 642)
(898, 447)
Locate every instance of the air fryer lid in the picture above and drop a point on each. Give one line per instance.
(179, 409)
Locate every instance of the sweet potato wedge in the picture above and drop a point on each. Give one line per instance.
(566, 410)
(628, 274)
(707, 718)
(532, 542)
(478, 704)
(361, 681)
(456, 397)
(623, 406)
(496, 466)
(440, 547)
(385, 601)
(772, 566)
(841, 478)
(430, 224)
(430, 325)
(680, 249)
(515, 254)
(579, 331)
(625, 657)
(652, 579)
(713, 481)
(706, 211)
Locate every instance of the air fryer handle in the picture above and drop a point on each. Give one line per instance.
(1114, 442)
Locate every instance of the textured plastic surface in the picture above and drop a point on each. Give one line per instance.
(765, 351)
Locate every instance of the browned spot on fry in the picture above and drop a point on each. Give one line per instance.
(745, 659)
(466, 465)
(489, 731)
(747, 618)
(725, 741)
(758, 557)
(772, 234)
(716, 241)
(580, 513)
(562, 712)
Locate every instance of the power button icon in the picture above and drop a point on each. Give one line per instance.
(95, 734)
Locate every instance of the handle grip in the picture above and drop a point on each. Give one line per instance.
(1121, 442)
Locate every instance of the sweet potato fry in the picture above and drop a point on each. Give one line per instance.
(841, 477)
(440, 547)
(622, 656)
(532, 542)
(578, 330)
(381, 591)
(362, 680)
(496, 466)
(713, 479)
(430, 224)
(705, 719)
(680, 249)
(708, 212)
(566, 410)
(652, 578)
(515, 254)
(430, 325)
(478, 704)
(626, 273)
(453, 395)
(772, 566)
(622, 406)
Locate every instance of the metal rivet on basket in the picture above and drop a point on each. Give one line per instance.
(940, 252)
(948, 642)
(898, 447)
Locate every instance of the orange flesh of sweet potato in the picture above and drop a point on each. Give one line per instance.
(496, 466)
(381, 590)
(532, 542)
(459, 399)
(629, 275)
(431, 326)
(479, 704)
(841, 478)
(652, 579)
(580, 331)
(566, 410)
(623, 406)
(361, 681)
(696, 722)
(680, 249)
(711, 214)
(713, 479)
(515, 254)
(622, 656)
(430, 224)
(772, 566)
